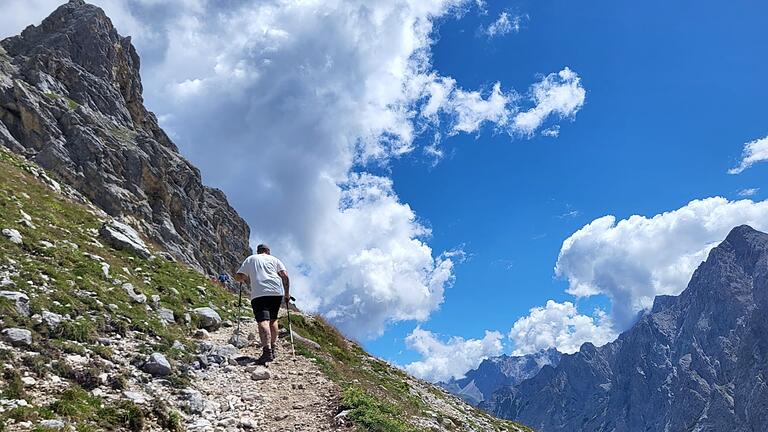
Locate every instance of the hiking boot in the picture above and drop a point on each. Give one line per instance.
(266, 357)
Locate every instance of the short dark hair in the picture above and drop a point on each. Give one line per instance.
(262, 248)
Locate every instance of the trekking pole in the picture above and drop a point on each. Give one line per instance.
(290, 329)
(239, 308)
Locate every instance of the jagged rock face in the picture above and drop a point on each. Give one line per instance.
(71, 100)
(696, 362)
(479, 384)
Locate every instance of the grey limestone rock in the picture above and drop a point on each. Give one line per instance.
(207, 318)
(51, 319)
(14, 236)
(167, 315)
(52, 424)
(20, 299)
(696, 361)
(157, 365)
(260, 373)
(136, 297)
(122, 236)
(136, 397)
(17, 337)
(71, 101)
(194, 404)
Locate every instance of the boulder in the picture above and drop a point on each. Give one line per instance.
(167, 315)
(136, 397)
(51, 424)
(157, 365)
(260, 373)
(51, 319)
(12, 235)
(17, 337)
(123, 237)
(20, 299)
(207, 318)
(195, 404)
(221, 353)
(238, 340)
(136, 297)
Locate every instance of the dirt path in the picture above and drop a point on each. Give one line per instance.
(296, 396)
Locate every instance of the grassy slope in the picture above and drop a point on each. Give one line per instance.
(56, 279)
(380, 397)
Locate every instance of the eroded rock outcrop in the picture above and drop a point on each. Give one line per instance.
(71, 100)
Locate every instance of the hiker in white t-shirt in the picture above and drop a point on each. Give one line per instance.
(269, 286)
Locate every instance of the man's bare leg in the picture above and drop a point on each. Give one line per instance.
(273, 332)
(264, 333)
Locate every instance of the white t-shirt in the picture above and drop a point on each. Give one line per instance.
(263, 270)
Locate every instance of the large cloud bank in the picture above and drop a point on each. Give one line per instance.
(286, 104)
(446, 358)
(633, 260)
(559, 325)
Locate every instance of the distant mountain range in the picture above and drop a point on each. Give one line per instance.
(695, 362)
(494, 373)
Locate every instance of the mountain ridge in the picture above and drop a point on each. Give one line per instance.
(697, 361)
(493, 373)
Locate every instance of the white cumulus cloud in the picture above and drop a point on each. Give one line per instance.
(754, 152)
(633, 260)
(560, 95)
(286, 104)
(451, 358)
(559, 325)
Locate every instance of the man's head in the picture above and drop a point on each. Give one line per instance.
(262, 249)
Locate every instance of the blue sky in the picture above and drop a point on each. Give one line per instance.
(673, 90)
(321, 121)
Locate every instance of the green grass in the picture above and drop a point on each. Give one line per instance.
(372, 414)
(62, 279)
(14, 388)
(78, 406)
(71, 104)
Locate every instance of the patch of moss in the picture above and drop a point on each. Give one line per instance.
(80, 330)
(71, 104)
(14, 387)
(168, 419)
(373, 414)
(52, 96)
(77, 405)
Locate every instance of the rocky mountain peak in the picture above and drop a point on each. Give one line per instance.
(695, 362)
(71, 101)
(78, 33)
(747, 244)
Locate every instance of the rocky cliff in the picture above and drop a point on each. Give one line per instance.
(695, 362)
(71, 101)
(479, 385)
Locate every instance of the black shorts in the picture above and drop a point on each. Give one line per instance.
(266, 308)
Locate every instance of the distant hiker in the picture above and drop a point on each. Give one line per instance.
(269, 286)
(224, 280)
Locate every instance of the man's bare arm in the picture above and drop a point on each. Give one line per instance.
(286, 284)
